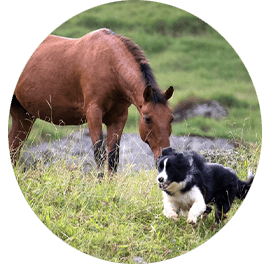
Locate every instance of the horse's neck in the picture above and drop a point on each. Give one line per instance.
(133, 87)
(130, 78)
(137, 96)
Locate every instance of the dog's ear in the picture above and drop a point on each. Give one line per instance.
(167, 151)
(197, 160)
(181, 157)
(190, 161)
(189, 157)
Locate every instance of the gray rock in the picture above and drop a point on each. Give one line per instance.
(139, 260)
(134, 153)
(210, 109)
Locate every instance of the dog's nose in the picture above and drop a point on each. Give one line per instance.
(161, 179)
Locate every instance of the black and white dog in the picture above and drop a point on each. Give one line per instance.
(189, 183)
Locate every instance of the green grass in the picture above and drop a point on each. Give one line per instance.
(119, 218)
(134, 16)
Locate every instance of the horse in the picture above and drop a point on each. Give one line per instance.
(95, 79)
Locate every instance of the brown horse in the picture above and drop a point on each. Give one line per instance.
(93, 78)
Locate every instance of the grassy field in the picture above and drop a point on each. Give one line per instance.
(121, 218)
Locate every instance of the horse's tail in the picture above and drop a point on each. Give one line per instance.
(244, 186)
(15, 103)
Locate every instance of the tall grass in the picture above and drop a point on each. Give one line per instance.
(120, 218)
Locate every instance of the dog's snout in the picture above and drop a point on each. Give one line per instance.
(161, 179)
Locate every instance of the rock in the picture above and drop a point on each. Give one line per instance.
(139, 260)
(134, 153)
(210, 109)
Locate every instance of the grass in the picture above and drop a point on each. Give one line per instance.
(133, 17)
(120, 218)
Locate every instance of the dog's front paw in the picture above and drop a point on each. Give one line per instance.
(171, 214)
(191, 218)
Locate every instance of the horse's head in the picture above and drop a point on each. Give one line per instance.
(156, 118)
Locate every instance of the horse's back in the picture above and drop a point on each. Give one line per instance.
(65, 75)
(49, 82)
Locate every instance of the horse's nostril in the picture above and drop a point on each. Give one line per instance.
(160, 179)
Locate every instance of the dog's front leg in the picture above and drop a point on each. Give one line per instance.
(170, 207)
(198, 206)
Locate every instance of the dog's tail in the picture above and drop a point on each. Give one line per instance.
(243, 186)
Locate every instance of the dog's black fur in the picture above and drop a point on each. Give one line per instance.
(218, 184)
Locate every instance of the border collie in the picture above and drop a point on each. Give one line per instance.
(189, 183)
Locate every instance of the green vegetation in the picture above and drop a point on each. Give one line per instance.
(120, 218)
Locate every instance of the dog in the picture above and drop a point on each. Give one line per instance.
(189, 183)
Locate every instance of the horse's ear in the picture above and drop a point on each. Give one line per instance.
(168, 93)
(147, 94)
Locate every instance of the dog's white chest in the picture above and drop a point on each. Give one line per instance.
(184, 201)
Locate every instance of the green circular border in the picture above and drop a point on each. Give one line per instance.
(25, 242)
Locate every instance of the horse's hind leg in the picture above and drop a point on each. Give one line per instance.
(22, 123)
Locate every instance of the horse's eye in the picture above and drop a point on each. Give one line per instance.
(147, 120)
(172, 120)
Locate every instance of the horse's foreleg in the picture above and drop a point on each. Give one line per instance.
(21, 126)
(94, 121)
(114, 133)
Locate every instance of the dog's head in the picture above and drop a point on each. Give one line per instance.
(173, 168)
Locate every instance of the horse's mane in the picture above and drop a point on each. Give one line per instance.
(146, 70)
